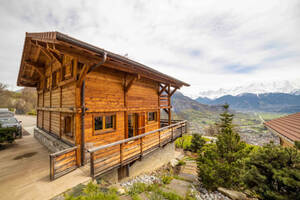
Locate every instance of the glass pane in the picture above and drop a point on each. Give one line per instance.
(109, 121)
(151, 116)
(98, 123)
(131, 125)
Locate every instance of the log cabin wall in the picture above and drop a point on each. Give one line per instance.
(105, 94)
(56, 99)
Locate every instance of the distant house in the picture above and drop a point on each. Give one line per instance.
(104, 106)
(287, 128)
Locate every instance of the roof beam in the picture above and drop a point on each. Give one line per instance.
(36, 68)
(82, 74)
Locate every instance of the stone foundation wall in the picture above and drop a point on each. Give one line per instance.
(51, 143)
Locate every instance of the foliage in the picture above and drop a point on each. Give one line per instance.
(197, 143)
(184, 142)
(180, 163)
(274, 173)
(23, 101)
(166, 179)
(297, 145)
(92, 192)
(221, 164)
(137, 188)
(7, 134)
(32, 112)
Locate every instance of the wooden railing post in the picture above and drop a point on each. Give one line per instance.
(141, 147)
(159, 138)
(51, 168)
(121, 153)
(92, 164)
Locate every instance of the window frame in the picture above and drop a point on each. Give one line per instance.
(104, 129)
(155, 117)
(65, 134)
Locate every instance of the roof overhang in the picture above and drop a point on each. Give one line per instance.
(65, 43)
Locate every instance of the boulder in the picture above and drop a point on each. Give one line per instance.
(174, 162)
(235, 195)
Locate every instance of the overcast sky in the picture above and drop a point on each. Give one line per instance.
(209, 44)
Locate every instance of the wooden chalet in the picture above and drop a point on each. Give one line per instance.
(106, 107)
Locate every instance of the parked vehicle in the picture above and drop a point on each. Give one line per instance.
(12, 122)
(5, 113)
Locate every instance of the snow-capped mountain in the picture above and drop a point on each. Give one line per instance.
(290, 87)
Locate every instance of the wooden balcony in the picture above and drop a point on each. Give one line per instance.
(117, 154)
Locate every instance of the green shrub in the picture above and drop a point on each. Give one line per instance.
(137, 188)
(92, 192)
(32, 112)
(197, 143)
(166, 179)
(184, 142)
(180, 163)
(297, 145)
(273, 172)
(7, 134)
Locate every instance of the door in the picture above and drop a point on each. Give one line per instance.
(132, 125)
(142, 123)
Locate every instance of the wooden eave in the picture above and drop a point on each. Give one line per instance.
(91, 54)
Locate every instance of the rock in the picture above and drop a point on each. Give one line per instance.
(235, 195)
(121, 191)
(174, 162)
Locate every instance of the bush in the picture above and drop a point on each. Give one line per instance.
(32, 112)
(197, 143)
(7, 134)
(93, 192)
(166, 179)
(297, 145)
(184, 142)
(137, 188)
(274, 173)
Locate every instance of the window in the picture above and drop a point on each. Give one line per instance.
(109, 121)
(98, 123)
(105, 123)
(151, 116)
(68, 126)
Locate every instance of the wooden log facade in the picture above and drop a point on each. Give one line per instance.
(89, 97)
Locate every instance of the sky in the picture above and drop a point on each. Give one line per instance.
(209, 44)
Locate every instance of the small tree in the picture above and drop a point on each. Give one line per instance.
(221, 164)
(197, 143)
(274, 173)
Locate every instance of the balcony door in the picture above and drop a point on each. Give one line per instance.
(135, 124)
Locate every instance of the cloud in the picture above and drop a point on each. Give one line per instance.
(209, 44)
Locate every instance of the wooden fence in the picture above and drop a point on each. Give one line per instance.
(63, 162)
(120, 153)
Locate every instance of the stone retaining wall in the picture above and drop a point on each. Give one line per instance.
(51, 143)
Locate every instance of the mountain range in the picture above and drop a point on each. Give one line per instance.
(268, 102)
(288, 86)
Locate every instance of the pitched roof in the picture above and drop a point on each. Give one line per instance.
(287, 126)
(129, 65)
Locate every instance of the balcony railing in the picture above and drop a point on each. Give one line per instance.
(120, 153)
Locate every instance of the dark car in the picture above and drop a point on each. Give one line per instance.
(12, 122)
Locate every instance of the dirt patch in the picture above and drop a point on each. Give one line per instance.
(26, 155)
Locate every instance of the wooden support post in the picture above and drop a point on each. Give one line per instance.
(121, 153)
(169, 105)
(141, 148)
(51, 168)
(92, 165)
(159, 138)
